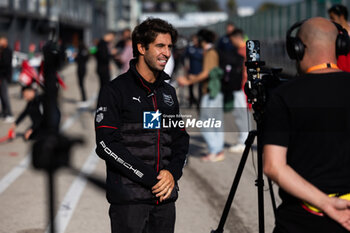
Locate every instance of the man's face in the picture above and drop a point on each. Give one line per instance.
(126, 34)
(28, 94)
(236, 40)
(109, 37)
(2, 42)
(158, 52)
(335, 18)
(229, 29)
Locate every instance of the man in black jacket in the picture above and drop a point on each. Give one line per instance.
(34, 109)
(5, 77)
(144, 161)
(103, 56)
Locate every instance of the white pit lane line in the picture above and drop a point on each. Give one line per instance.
(70, 201)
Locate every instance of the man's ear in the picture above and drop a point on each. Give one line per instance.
(141, 49)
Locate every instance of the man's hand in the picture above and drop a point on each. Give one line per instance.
(165, 185)
(183, 81)
(339, 210)
(27, 134)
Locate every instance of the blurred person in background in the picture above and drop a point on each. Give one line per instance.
(103, 56)
(306, 135)
(212, 101)
(194, 55)
(81, 59)
(339, 14)
(143, 164)
(119, 49)
(34, 109)
(224, 42)
(5, 78)
(231, 64)
(240, 107)
(126, 55)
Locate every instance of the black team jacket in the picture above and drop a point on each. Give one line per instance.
(134, 155)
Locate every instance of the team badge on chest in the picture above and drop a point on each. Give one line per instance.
(168, 99)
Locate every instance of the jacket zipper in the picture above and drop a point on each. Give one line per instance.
(154, 99)
(154, 102)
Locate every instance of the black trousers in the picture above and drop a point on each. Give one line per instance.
(104, 75)
(4, 98)
(81, 77)
(142, 218)
(292, 218)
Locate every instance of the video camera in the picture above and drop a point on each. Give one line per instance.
(260, 79)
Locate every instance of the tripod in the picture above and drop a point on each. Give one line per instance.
(51, 150)
(259, 183)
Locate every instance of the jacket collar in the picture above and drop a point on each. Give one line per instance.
(146, 85)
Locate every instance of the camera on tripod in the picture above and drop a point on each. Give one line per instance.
(260, 79)
(259, 84)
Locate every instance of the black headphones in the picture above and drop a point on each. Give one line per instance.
(296, 48)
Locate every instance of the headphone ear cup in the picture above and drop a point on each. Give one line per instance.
(295, 48)
(342, 43)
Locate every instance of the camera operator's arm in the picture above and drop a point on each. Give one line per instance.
(276, 139)
(108, 140)
(276, 167)
(21, 116)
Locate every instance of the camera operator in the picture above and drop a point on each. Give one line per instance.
(306, 135)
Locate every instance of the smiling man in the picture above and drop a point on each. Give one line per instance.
(144, 161)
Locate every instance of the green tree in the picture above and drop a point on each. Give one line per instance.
(232, 7)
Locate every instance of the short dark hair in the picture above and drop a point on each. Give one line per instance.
(206, 35)
(146, 33)
(237, 32)
(339, 10)
(230, 23)
(27, 87)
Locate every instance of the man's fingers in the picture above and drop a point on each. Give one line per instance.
(160, 189)
(159, 184)
(162, 183)
(167, 195)
(163, 192)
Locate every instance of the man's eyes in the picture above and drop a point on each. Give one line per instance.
(163, 45)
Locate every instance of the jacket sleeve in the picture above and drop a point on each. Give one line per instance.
(108, 140)
(179, 147)
(22, 115)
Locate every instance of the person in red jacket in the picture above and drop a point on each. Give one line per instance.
(339, 14)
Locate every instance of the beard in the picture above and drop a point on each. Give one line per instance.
(152, 63)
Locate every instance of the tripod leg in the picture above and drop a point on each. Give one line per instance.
(236, 180)
(272, 195)
(51, 205)
(260, 185)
